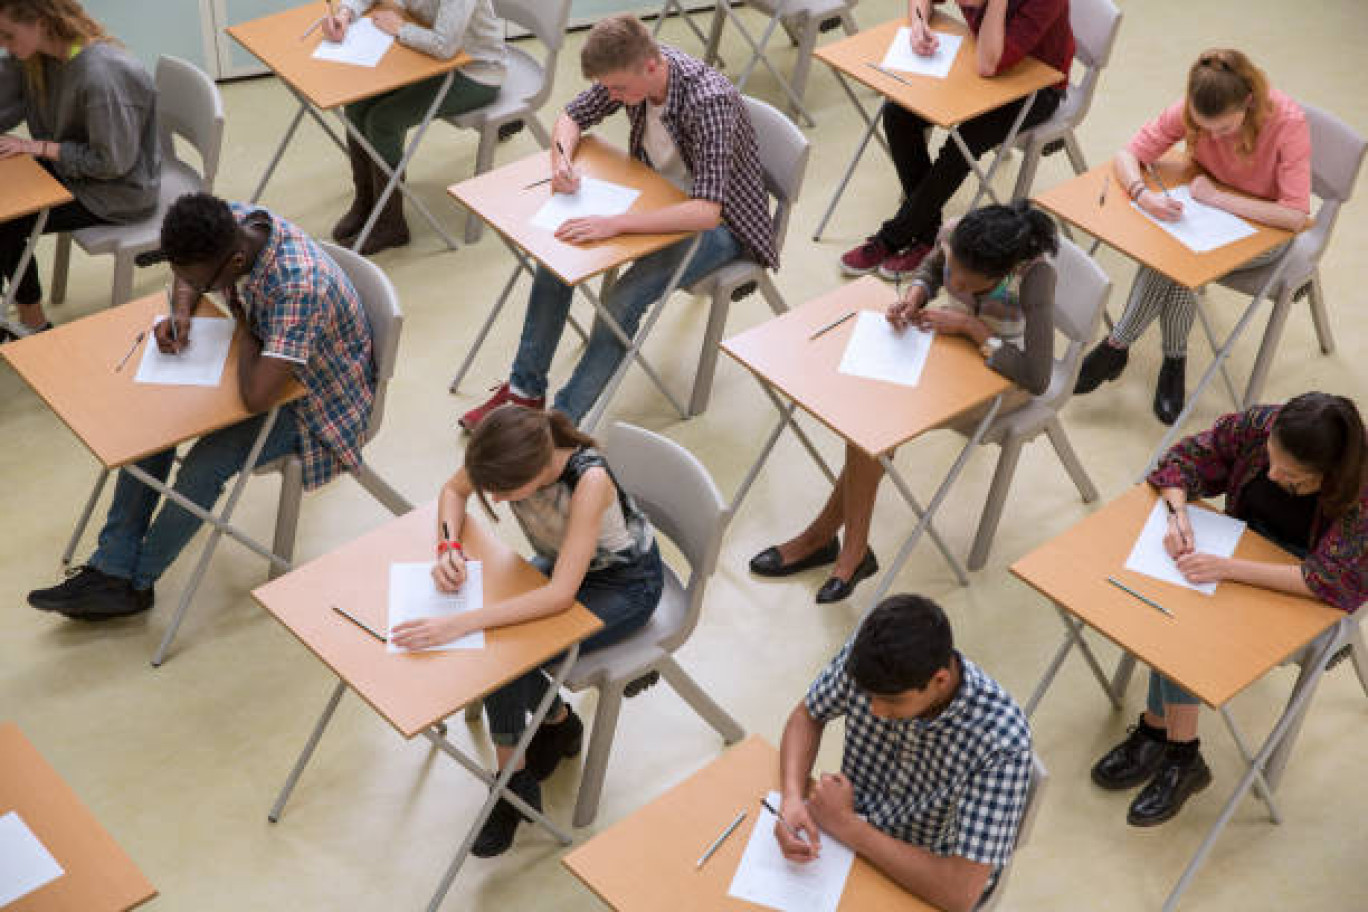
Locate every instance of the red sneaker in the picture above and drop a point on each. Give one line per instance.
(900, 266)
(864, 259)
(503, 395)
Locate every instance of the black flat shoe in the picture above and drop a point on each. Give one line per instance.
(1179, 778)
(1101, 365)
(497, 833)
(1131, 762)
(836, 589)
(1171, 390)
(770, 563)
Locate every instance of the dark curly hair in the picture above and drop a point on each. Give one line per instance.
(198, 228)
(900, 646)
(993, 240)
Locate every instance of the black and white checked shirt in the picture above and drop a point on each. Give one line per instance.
(954, 785)
(707, 120)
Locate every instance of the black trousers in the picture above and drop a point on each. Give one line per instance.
(928, 185)
(14, 235)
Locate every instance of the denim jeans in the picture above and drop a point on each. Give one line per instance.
(624, 598)
(132, 545)
(1163, 691)
(629, 297)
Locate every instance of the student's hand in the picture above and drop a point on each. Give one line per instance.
(588, 229)
(335, 27)
(388, 21)
(924, 41)
(449, 572)
(903, 312)
(1178, 539)
(11, 146)
(795, 813)
(1162, 207)
(168, 344)
(1204, 191)
(832, 804)
(942, 320)
(1203, 568)
(564, 177)
(427, 632)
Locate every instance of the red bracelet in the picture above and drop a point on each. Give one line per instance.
(444, 546)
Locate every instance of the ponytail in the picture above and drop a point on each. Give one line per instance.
(994, 240)
(1325, 433)
(1220, 81)
(513, 444)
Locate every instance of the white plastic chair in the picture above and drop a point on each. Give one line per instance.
(525, 89)
(381, 304)
(684, 505)
(1040, 777)
(1337, 153)
(188, 106)
(783, 160)
(1095, 24)
(1081, 291)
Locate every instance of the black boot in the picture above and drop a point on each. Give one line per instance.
(390, 229)
(1171, 390)
(1103, 364)
(551, 743)
(363, 195)
(1132, 761)
(497, 833)
(1182, 773)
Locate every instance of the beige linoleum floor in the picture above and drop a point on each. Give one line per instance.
(182, 763)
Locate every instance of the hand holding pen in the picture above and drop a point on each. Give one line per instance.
(1179, 539)
(173, 333)
(1159, 204)
(335, 23)
(564, 177)
(905, 309)
(924, 42)
(796, 831)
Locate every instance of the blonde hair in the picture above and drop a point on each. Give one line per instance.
(65, 20)
(616, 44)
(1221, 80)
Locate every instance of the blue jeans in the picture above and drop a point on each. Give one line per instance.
(635, 290)
(1163, 691)
(133, 546)
(624, 598)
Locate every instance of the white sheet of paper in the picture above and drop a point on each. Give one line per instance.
(363, 45)
(25, 863)
(769, 879)
(200, 363)
(902, 58)
(1215, 533)
(879, 352)
(595, 197)
(414, 596)
(1201, 227)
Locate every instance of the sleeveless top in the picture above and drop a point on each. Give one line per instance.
(625, 534)
(999, 307)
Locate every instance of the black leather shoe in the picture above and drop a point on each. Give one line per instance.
(836, 589)
(1180, 775)
(1171, 390)
(770, 563)
(497, 833)
(1102, 365)
(1132, 761)
(552, 743)
(89, 594)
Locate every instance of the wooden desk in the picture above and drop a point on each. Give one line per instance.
(99, 876)
(947, 103)
(26, 187)
(1214, 646)
(875, 416)
(503, 199)
(324, 85)
(647, 861)
(415, 692)
(73, 369)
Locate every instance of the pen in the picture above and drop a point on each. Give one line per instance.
(171, 315)
(720, 839)
(920, 17)
(565, 158)
(360, 623)
(830, 326)
(1154, 173)
(779, 817)
(1148, 601)
(1174, 513)
(544, 180)
(891, 75)
(1102, 199)
(313, 28)
(131, 349)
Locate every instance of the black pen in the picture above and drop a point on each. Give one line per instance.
(360, 623)
(1102, 197)
(1174, 513)
(779, 817)
(565, 158)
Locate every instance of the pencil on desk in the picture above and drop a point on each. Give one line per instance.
(544, 180)
(717, 843)
(313, 28)
(360, 623)
(891, 75)
(137, 340)
(1148, 601)
(830, 326)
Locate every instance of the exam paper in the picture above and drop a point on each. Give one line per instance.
(363, 45)
(879, 352)
(902, 58)
(25, 863)
(769, 879)
(1201, 227)
(595, 197)
(414, 596)
(1215, 533)
(200, 363)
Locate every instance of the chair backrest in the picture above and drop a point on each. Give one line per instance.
(381, 303)
(1095, 24)
(783, 159)
(545, 19)
(189, 106)
(680, 498)
(1336, 158)
(1081, 292)
(1039, 778)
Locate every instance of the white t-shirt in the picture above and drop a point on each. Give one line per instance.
(663, 151)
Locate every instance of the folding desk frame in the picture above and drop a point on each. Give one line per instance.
(16, 327)
(723, 8)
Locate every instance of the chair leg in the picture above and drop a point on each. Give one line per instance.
(718, 310)
(1075, 153)
(848, 22)
(1277, 761)
(1268, 348)
(1359, 655)
(484, 159)
(382, 490)
(61, 264)
(719, 19)
(287, 514)
(771, 295)
(802, 64)
(539, 133)
(1320, 317)
(707, 708)
(997, 499)
(596, 760)
(1030, 161)
(121, 291)
(1065, 451)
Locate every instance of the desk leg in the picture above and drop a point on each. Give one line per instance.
(985, 185)
(280, 150)
(633, 346)
(81, 523)
(1211, 341)
(758, 56)
(1260, 781)
(1074, 637)
(16, 327)
(499, 785)
(871, 128)
(304, 756)
(483, 334)
(786, 412)
(683, 14)
(221, 526)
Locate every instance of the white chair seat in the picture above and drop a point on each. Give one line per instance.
(795, 8)
(524, 79)
(737, 272)
(177, 179)
(642, 649)
(1063, 120)
(1300, 267)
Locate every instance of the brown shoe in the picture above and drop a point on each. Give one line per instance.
(390, 230)
(363, 200)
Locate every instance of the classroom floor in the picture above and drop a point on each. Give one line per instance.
(182, 763)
